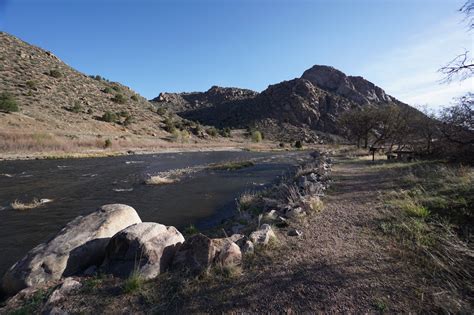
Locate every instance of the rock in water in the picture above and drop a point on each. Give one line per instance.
(144, 248)
(80, 244)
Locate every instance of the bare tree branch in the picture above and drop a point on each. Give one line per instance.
(460, 68)
(468, 10)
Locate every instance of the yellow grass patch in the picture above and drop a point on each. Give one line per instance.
(159, 180)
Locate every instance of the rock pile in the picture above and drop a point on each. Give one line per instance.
(292, 199)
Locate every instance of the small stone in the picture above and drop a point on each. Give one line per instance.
(68, 285)
(295, 212)
(294, 232)
(248, 247)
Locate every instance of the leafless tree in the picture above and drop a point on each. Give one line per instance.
(468, 10)
(461, 67)
(458, 121)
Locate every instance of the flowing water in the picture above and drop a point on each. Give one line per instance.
(79, 186)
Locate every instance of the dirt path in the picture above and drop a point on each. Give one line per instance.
(341, 264)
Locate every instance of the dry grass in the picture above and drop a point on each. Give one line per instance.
(44, 142)
(17, 205)
(159, 180)
(246, 200)
(314, 203)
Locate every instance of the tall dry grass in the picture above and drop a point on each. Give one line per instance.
(44, 142)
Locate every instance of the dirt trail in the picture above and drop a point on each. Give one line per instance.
(341, 264)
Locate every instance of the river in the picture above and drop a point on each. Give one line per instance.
(79, 186)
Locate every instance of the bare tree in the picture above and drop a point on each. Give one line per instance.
(461, 67)
(458, 121)
(468, 10)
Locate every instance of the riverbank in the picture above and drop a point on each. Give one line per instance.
(250, 210)
(350, 257)
(131, 150)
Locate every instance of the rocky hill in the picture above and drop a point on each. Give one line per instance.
(180, 102)
(302, 108)
(53, 97)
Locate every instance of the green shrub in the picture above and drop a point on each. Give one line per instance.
(55, 73)
(32, 84)
(212, 131)
(76, 108)
(128, 121)
(197, 130)
(119, 98)
(256, 136)
(109, 117)
(8, 103)
(191, 230)
(107, 143)
(169, 125)
(123, 113)
(116, 88)
(108, 90)
(134, 283)
(226, 132)
(161, 111)
(134, 98)
(298, 144)
(98, 78)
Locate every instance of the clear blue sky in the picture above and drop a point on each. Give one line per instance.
(155, 46)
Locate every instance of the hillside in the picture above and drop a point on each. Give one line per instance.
(64, 110)
(47, 89)
(302, 108)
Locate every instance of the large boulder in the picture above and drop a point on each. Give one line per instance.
(145, 248)
(199, 253)
(196, 254)
(228, 252)
(80, 244)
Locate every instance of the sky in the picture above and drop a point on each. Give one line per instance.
(191, 45)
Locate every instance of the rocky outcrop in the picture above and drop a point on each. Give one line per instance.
(216, 95)
(356, 89)
(291, 110)
(144, 248)
(80, 244)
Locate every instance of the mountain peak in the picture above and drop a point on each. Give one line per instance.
(355, 88)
